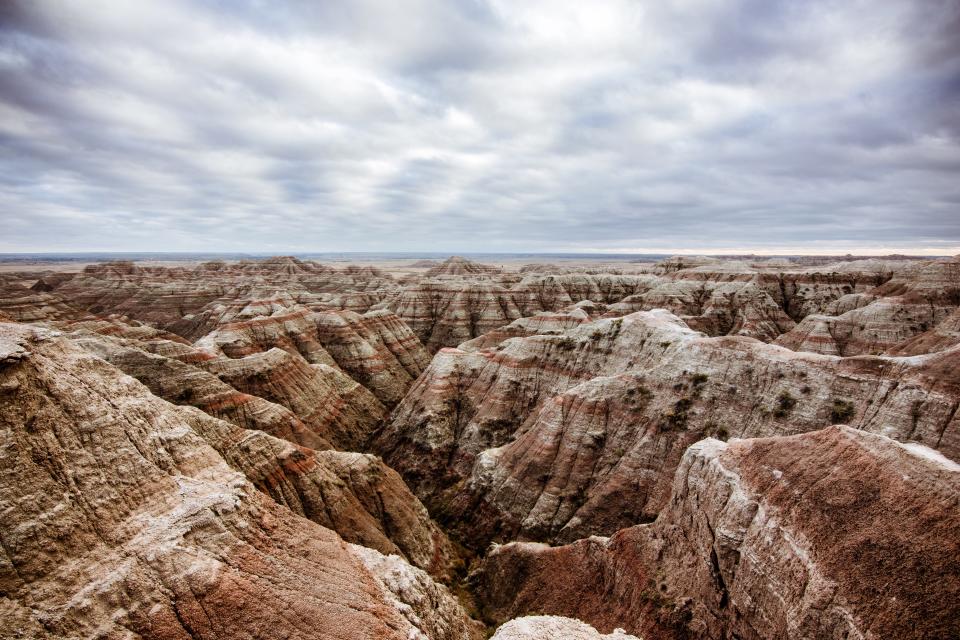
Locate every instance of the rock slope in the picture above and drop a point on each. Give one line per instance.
(354, 494)
(555, 437)
(830, 534)
(121, 520)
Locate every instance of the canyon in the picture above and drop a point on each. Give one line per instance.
(692, 447)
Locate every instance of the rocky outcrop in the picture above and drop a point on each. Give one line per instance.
(50, 281)
(291, 328)
(459, 266)
(447, 312)
(183, 383)
(192, 301)
(805, 292)
(555, 292)
(22, 304)
(834, 533)
(122, 520)
(674, 264)
(877, 327)
(356, 495)
(943, 336)
(717, 309)
(541, 323)
(548, 627)
(377, 349)
(558, 437)
(332, 404)
(314, 405)
(428, 606)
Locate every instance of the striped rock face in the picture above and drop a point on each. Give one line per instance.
(829, 534)
(556, 437)
(280, 448)
(121, 518)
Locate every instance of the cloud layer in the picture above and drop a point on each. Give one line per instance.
(704, 125)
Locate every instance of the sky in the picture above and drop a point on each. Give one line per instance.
(694, 126)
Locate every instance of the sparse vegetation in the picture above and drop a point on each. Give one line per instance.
(617, 326)
(785, 405)
(915, 414)
(596, 439)
(713, 430)
(677, 417)
(638, 396)
(841, 411)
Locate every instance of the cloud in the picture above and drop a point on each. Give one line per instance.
(480, 126)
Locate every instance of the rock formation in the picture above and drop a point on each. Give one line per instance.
(941, 337)
(377, 349)
(717, 309)
(193, 450)
(834, 533)
(544, 627)
(24, 304)
(554, 437)
(122, 520)
(459, 266)
(447, 312)
(331, 403)
(914, 302)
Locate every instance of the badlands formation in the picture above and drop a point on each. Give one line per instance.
(692, 448)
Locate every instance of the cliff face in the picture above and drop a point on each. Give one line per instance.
(833, 533)
(917, 300)
(557, 437)
(377, 349)
(122, 519)
(446, 312)
(715, 308)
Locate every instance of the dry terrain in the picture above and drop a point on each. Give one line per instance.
(528, 448)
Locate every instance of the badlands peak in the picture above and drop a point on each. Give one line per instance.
(460, 266)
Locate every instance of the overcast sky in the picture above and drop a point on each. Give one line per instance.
(708, 126)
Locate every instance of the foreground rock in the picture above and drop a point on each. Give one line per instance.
(831, 534)
(121, 520)
(354, 494)
(549, 627)
(823, 535)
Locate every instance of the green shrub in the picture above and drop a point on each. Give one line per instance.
(713, 430)
(841, 411)
(785, 404)
(677, 417)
